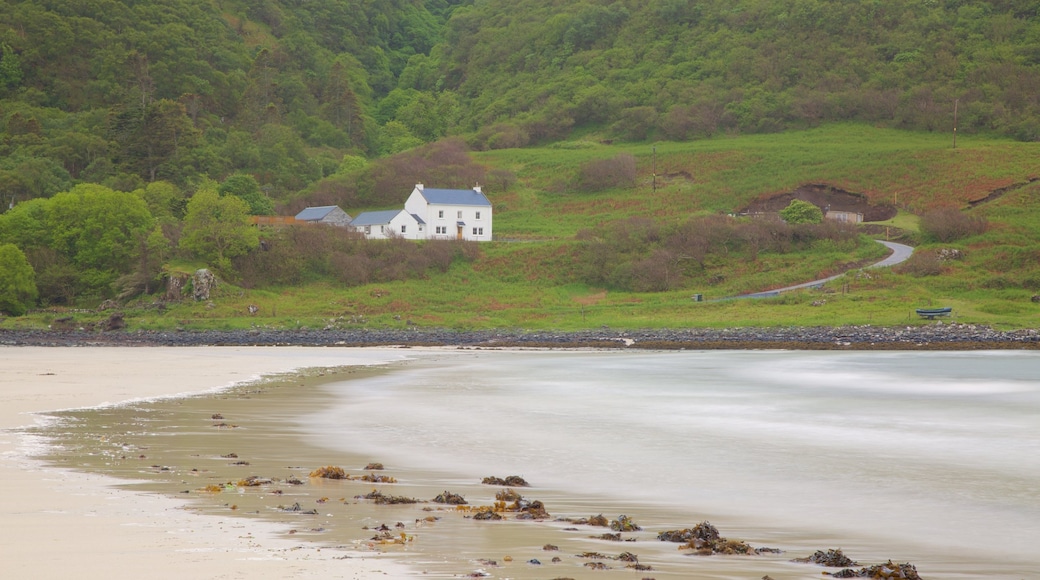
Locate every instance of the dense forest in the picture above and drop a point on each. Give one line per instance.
(138, 105)
(124, 93)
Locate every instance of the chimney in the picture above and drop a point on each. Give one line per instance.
(419, 186)
(476, 188)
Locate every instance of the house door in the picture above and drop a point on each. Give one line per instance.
(458, 234)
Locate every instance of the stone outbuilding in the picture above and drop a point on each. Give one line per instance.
(327, 214)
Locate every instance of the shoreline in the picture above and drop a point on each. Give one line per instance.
(933, 336)
(61, 522)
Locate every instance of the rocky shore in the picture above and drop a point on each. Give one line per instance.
(936, 336)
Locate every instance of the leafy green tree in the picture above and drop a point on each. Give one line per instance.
(217, 228)
(17, 281)
(99, 231)
(10, 67)
(25, 225)
(245, 186)
(801, 212)
(165, 201)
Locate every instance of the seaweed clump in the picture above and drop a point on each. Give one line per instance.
(888, 571)
(511, 481)
(380, 499)
(450, 498)
(330, 472)
(487, 514)
(705, 540)
(624, 524)
(831, 558)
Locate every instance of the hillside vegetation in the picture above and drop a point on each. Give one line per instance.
(617, 140)
(126, 93)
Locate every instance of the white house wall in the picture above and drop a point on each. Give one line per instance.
(442, 220)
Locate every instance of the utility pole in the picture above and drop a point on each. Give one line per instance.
(655, 170)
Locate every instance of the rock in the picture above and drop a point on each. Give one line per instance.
(113, 322)
(203, 283)
(175, 286)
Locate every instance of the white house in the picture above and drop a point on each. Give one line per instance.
(379, 225)
(326, 214)
(461, 214)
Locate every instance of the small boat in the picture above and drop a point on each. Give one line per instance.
(931, 313)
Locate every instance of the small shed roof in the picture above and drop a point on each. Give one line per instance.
(455, 196)
(375, 218)
(311, 214)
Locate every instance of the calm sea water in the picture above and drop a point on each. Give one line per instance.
(932, 458)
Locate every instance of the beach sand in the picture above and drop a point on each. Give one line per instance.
(60, 523)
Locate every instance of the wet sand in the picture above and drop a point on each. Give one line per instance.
(60, 523)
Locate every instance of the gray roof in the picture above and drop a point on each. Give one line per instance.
(455, 196)
(375, 218)
(418, 219)
(315, 213)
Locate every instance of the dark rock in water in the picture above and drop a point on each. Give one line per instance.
(296, 508)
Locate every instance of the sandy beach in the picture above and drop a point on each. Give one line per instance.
(60, 523)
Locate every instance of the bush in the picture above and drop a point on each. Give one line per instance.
(801, 212)
(921, 264)
(949, 224)
(603, 174)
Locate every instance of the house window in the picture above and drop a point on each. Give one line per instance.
(403, 228)
(478, 215)
(368, 229)
(440, 214)
(478, 231)
(382, 229)
(460, 214)
(420, 227)
(442, 229)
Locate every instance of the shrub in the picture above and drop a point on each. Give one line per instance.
(949, 224)
(602, 174)
(921, 264)
(801, 212)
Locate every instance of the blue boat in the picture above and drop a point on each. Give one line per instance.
(931, 313)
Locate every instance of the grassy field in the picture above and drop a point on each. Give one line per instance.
(528, 280)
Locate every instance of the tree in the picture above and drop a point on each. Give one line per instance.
(17, 281)
(801, 212)
(151, 135)
(217, 228)
(10, 67)
(245, 186)
(99, 230)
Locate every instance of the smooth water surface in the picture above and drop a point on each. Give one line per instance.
(927, 457)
